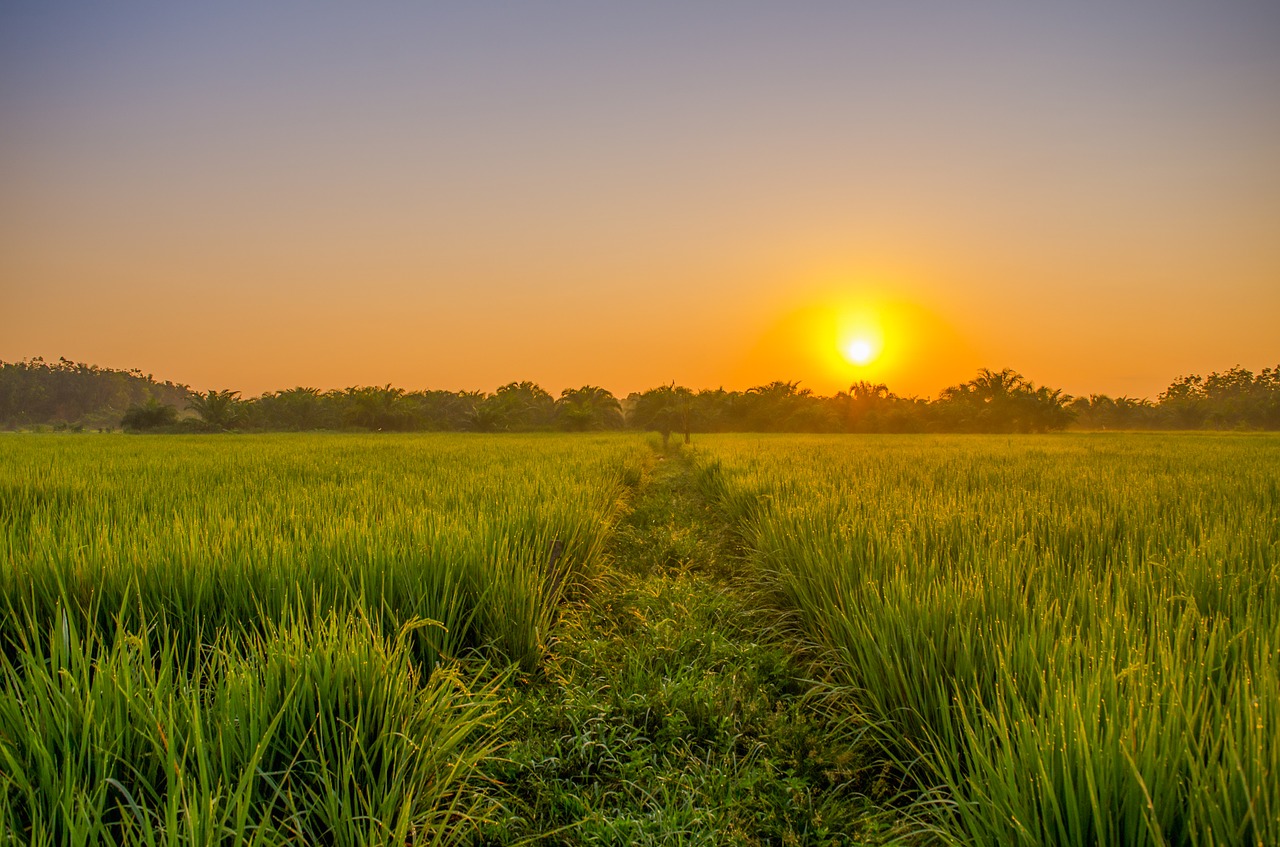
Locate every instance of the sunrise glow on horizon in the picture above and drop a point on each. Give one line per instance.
(249, 197)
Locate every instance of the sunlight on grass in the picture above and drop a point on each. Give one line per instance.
(210, 638)
(1075, 638)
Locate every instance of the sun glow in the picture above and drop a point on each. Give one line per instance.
(860, 351)
(860, 335)
(839, 335)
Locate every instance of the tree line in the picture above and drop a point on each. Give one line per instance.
(1233, 399)
(66, 394)
(76, 395)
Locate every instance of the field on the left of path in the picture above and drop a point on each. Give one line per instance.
(203, 638)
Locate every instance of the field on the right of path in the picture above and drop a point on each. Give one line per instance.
(1068, 639)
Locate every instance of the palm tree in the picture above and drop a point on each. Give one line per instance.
(218, 409)
(149, 415)
(516, 405)
(993, 387)
(778, 406)
(1004, 401)
(377, 408)
(297, 408)
(588, 407)
(487, 416)
(666, 409)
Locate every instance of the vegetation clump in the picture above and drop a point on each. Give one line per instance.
(149, 416)
(311, 734)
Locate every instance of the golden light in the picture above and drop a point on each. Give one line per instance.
(852, 331)
(860, 351)
(860, 332)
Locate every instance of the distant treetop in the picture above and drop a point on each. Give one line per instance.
(66, 394)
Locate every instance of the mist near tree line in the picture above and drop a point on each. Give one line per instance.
(72, 395)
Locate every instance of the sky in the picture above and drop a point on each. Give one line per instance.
(257, 196)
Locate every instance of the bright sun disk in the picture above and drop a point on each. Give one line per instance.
(860, 351)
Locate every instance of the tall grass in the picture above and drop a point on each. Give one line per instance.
(218, 640)
(1075, 638)
(314, 734)
(213, 533)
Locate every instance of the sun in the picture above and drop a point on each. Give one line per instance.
(862, 348)
(860, 351)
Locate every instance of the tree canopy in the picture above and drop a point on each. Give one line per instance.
(68, 394)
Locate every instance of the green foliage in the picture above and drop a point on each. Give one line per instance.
(209, 536)
(671, 707)
(1076, 639)
(293, 410)
(151, 415)
(36, 392)
(1232, 399)
(665, 410)
(293, 639)
(319, 734)
(515, 406)
(1098, 411)
(69, 394)
(1001, 401)
(588, 408)
(384, 408)
(217, 410)
(206, 641)
(667, 718)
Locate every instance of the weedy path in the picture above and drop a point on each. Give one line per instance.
(675, 709)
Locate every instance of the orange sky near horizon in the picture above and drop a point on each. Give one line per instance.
(249, 198)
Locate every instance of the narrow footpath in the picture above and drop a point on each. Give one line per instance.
(675, 709)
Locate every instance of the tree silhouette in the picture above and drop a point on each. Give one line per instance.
(219, 410)
(36, 392)
(784, 407)
(588, 407)
(293, 409)
(377, 408)
(665, 410)
(439, 410)
(1001, 401)
(151, 415)
(66, 393)
(515, 406)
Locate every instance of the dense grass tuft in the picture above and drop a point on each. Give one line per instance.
(325, 734)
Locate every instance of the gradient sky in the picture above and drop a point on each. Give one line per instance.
(262, 195)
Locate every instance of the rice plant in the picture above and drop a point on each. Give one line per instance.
(210, 640)
(1075, 639)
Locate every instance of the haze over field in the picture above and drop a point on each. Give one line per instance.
(259, 196)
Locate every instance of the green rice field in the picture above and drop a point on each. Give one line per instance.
(327, 639)
(1066, 640)
(209, 637)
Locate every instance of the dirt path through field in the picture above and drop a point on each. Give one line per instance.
(674, 707)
